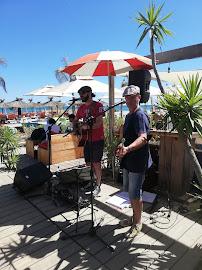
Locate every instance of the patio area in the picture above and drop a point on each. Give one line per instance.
(32, 231)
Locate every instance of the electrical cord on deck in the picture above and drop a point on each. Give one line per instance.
(162, 214)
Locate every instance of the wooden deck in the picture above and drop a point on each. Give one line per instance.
(31, 232)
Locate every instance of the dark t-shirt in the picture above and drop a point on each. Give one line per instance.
(138, 160)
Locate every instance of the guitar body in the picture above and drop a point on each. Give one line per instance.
(82, 138)
(83, 134)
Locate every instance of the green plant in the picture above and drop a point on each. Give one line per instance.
(9, 144)
(184, 111)
(63, 120)
(153, 22)
(29, 129)
(108, 147)
(63, 127)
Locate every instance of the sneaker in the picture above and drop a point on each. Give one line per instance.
(96, 191)
(86, 187)
(134, 230)
(126, 222)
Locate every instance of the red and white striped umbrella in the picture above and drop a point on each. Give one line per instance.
(108, 63)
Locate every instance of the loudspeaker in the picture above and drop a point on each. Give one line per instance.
(142, 79)
(27, 178)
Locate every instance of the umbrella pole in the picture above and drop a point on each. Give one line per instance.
(111, 118)
(121, 110)
(73, 106)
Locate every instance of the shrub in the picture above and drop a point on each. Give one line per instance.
(9, 144)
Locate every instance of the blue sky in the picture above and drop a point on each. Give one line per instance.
(36, 34)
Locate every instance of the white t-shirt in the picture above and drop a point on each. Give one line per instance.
(54, 128)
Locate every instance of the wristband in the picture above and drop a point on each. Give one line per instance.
(128, 149)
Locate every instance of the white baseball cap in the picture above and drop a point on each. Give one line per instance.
(131, 90)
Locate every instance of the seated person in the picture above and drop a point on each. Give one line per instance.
(2, 123)
(71, 119)
(55, 129)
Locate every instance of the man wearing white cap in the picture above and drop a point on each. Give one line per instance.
(135, 156)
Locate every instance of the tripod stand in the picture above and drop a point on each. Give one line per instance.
(92, 230)
(156, 201)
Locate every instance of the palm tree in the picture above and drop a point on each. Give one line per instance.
(2, 82)
(62, 76)
(184, 110)
(154, 25)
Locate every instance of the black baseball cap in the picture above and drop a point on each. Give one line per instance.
(86, 89)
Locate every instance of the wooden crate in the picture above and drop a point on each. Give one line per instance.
(62, 149)
(30, 146)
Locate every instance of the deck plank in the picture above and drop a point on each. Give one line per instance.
(31, 233)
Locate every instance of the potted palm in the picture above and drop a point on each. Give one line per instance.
(184, 110)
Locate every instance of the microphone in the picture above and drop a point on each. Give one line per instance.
(122, 143)
(75, 99)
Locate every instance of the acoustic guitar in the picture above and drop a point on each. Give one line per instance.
(82, 135)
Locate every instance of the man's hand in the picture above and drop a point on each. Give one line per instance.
(120, 151)
(123, 151)
(115, 151)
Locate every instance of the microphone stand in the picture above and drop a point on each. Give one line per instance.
(49, 141)
(92, 230)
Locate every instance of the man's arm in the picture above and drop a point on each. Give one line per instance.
(138, 143)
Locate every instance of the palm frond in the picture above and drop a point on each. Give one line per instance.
(143, 19)
(158, 11)
(3, 84)
(61, 76)
(3, 61)
(165, 18)
(142, 36)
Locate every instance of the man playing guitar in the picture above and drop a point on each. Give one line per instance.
(92, 108)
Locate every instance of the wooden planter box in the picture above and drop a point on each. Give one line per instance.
(62, 149)
(175, 171)
(30, 146)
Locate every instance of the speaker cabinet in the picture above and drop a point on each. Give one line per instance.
(27, 178)
(141, 78)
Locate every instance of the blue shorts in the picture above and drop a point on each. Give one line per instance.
(97, 151)
(132, 183)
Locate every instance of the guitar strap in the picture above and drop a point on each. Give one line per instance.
(92, 109)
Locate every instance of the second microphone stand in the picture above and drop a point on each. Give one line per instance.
(49, 140)
(92, 230)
